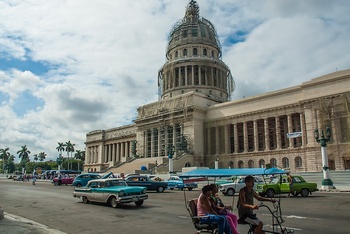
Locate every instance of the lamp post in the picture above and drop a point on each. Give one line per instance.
(217, 163)
(327, 183)
(171, 151)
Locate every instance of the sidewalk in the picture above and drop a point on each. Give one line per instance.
(12, 224)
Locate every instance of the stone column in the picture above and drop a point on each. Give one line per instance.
(208, 141)
(227, 138)
(302, 129)
(235, 133)
(118, 152)
(122, 150)
(278, 132)
(245, 137)
(266, 128)
(152, 143)
(290, 130)
(159, 142)
(217, 141)
(256, 138)
(113, 154)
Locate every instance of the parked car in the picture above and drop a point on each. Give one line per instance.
(82, 179)
(280, 185)
(145, 181)
(113, 191)
(230, 189)
(177, 182)
(64, 180)
(225, 180)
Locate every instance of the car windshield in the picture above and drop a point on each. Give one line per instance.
(275, 180)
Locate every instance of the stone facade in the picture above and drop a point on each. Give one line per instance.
(196, 118)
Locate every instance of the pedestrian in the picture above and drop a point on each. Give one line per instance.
(246, 205)
(204, 208)
(290, 181)
(34, 179)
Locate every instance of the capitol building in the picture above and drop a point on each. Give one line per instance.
(196, 124)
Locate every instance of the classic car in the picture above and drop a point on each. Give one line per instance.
(145, 181)
(280, 185)
(230, 189)
(112, 191)
(177, 182)
(83, 179)
(64, 180)
(225, 180)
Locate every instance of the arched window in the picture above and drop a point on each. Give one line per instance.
(298, 162)
(251, 164)
(230, 165)
(195, 52)
(273, 162)
(285, 162)
(176, 54)
(261, 163)
(240, 164)
(188, 164)
(212, 54)
(205, 52)
(185, 52)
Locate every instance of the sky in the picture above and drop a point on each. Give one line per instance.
(68, 67)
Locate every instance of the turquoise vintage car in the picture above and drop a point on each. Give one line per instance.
(177, 182)
(280, 185)
(112, 191)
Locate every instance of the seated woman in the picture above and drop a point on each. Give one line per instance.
(219, 206)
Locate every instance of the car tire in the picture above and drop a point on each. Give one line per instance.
(139, 203)
(304, 192)
(295, 194)
(270, 193)
(85, 199)
(55, 183)
(171, 188)
(189, 189)
(78, 185)
(113, 202)
(230, 192)
(160, 189)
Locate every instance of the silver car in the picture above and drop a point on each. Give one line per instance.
(231, 188)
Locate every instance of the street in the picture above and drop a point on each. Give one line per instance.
(54, 206)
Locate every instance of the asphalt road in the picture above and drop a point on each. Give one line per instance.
(55, 207)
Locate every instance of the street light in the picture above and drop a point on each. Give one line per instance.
(171, 151)
(327, 183)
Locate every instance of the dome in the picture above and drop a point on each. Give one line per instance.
(193, 28)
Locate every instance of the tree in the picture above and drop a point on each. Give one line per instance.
(23, 154)
(35, 157)
(80, 156)
(60, 147)
(4, 155)
(42, 156)
(70, 149)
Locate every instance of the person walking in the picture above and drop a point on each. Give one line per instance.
(290, 180)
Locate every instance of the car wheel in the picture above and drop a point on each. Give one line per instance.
(139, 203)
(190, 189)
(113, 202)
(304, 192)
(55, 183)
(85, 199)
(230, 192)
(78, 185)
(295, 194)
(171, 188)
(270, 193)
(160, 189)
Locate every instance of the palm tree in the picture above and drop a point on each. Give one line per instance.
(24, 155)
(42, 156)
(60, 147)
(70, 149)
(79, 155)
(35, 157)
(4, 155)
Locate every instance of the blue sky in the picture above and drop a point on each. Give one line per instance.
(71, 67)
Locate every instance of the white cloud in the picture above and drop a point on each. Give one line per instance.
(102, 57)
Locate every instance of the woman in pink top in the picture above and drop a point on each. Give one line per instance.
(204, 208)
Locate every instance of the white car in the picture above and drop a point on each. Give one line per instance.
(231, 188)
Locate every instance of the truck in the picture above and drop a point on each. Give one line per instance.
(146, 181)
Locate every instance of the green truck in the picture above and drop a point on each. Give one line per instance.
(280, 185)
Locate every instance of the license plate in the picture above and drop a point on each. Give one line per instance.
(135, 199)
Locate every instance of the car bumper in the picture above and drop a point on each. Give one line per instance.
(133, 198)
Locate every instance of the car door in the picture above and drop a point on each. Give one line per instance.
(284, 186)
